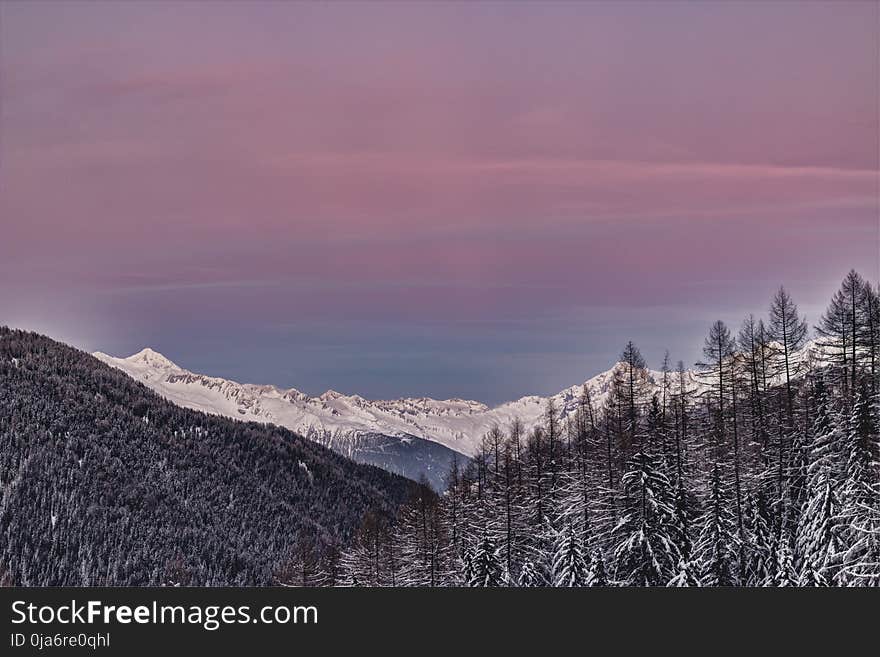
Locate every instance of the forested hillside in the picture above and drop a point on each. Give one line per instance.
(103, 482)
(768, 476)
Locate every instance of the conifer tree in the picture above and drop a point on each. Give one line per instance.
(838, 329)
(861, 562)
(569, 565)
(486, 568)
(861, 494)
(596, 575)
(761, 548)
(716, 548)
(686, 575)
(862, 446)
(753, 353)
(818, 536)
(869, 336)
(528, 575)
(634, 367)
(720, 370)
(789, 329)
(785, 575)
(646, 553)
(468, 572)
(685, 500)
(715, 369)
(821, 528)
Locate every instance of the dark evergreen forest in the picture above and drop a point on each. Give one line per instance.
(102, 482)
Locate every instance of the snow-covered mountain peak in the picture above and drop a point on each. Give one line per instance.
(330, 395)
(152, 358)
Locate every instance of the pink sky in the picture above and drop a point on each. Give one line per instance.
(323, 181)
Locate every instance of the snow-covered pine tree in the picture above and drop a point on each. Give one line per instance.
(788, 330)
(596, 575)
(785, 575)
(419, 549)
(466, 566)
(722, 370)
(528, 575)
(760, 551)
(569, 565)
(820, 527)
(796, 477)
(646, 553)
(717, 546)
(486, 569)
(819, 533)
(538, 507)
(863, 444)
(355, 564)
(860, 564)
(686, 576)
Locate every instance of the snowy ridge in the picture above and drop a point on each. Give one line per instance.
(335, 418)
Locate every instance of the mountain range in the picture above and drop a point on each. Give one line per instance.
(415, 437)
